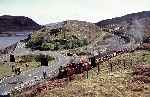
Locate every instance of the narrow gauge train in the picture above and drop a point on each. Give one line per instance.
(78, 68)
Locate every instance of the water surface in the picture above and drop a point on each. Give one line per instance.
(9, 40)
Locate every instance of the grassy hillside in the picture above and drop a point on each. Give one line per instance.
(117, 83)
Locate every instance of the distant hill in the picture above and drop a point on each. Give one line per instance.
(17, 23)
(127, 18)
(138, 21)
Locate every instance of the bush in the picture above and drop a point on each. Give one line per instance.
(27, 58)
(70, 43)
(47, 46)
(29, 44)
(56, 47)
(37, 58)
(34, 44)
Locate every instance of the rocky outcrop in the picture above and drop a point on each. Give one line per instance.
(80, 29)
(17, 23)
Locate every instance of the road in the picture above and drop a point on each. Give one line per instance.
(35, 75)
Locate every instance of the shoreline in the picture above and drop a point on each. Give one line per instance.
(16, 33)
(9, 41)
(8, 49)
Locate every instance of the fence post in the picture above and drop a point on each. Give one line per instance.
(98, 67)
(111, 66)
(118, 61)
(93, 61)
(131, 63)
(87, 75)
(124, 64)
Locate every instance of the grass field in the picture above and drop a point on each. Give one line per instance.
(6, 70)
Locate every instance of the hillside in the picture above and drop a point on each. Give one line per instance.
(118, 83)
(81, 29)
(17, 23)
(135, 22)
(65, 35)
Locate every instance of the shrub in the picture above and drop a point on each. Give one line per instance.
(37, 58)
(34, 43)
(70, 43)
(47, 46)
(29, 44)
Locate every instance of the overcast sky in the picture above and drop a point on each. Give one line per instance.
(49, 11)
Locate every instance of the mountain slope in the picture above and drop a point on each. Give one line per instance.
(137, 22)
(127, 18)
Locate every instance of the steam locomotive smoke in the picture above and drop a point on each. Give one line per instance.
(132, 38)
(136, 32)
(115, 42)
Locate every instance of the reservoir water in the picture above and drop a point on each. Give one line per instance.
(7, 41)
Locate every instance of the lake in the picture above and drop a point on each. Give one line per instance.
(9, 40)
